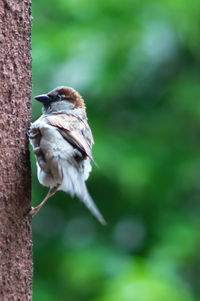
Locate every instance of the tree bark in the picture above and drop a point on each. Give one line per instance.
(15, 178)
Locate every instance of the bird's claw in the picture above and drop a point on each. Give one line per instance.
(32, 133)
(32, 211)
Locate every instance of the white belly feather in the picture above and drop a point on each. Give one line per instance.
(55, 164)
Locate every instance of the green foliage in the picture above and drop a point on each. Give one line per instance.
(136, 63)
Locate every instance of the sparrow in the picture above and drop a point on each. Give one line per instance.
(62, 143)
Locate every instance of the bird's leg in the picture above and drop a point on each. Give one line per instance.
(37, 151)
(51, 192)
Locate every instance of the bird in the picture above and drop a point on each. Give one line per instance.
(62, 142)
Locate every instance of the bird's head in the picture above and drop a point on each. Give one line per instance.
(62, 95)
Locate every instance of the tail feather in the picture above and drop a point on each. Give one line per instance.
(73, 183)
(89, 203)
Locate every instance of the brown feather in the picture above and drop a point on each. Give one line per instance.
(76, 129)
(73, 96)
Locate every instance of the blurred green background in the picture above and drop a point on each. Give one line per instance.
(137, 65)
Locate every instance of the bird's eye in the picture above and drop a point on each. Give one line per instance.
(61, 96)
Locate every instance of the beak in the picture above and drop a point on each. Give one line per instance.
(44, 98)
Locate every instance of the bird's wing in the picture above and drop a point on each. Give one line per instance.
(75, 130)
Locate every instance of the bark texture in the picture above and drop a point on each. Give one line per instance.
(15, 180)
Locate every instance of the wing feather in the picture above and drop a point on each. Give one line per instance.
(75, 130)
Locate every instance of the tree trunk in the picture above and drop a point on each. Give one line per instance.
(15, 178)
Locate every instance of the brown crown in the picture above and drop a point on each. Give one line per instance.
(73, 96)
